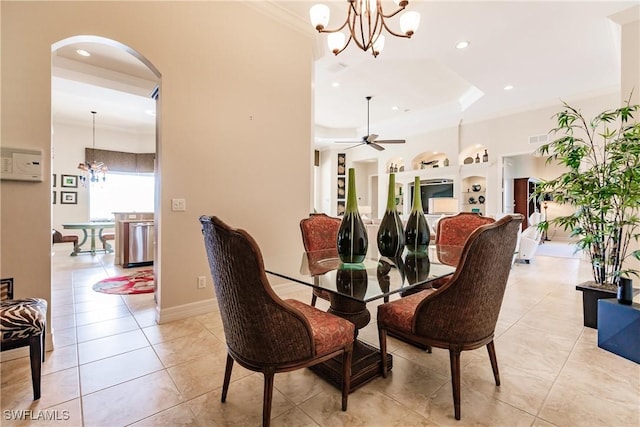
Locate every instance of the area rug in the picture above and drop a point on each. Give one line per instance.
(559, 250)
(140, 282)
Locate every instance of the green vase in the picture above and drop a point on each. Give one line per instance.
(352, 234)
(391, 231)
(416, 234)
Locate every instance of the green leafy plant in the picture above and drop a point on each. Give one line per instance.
(602, 182)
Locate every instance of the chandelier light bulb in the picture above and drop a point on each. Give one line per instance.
(335, 42)
(409, 22)
(378, 45)
(319, 15)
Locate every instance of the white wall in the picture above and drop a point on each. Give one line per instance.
(232, 107)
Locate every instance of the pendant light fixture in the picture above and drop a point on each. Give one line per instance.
(94, 171)
(365, 21)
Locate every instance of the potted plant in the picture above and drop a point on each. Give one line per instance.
(602, 182)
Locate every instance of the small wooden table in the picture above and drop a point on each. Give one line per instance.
(351, 287)
(92, 226)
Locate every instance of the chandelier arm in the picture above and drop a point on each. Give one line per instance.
(345, 45)
(390, 31)
(392, 14)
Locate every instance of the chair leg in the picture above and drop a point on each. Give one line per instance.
(227, 378)
(382, 337)
(347, 357)
(268, 396)
(35, 355)
(454, 357)
(494, 362)
(44, 341)
(314, 298)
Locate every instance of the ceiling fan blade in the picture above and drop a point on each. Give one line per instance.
(391, 141)
(372, 137)
(354, 146)
(348, 142)
(376, 146)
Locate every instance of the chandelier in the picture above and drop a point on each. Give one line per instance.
(365, 21)
(94, 171)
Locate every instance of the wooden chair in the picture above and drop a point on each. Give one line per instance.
(23, 322)
(263, 332)
(57, 237)
(319, 232)
(462, 314)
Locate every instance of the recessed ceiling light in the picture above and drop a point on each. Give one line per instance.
(508, 87)
(394, 108)
(82, 52)
(462, 44)
(335, 84)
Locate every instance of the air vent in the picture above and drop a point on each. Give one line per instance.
(539, 139)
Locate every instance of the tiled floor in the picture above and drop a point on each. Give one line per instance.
(113, 366)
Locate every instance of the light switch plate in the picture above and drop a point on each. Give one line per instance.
(178, 205)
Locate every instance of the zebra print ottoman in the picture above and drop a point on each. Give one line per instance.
(23, 322)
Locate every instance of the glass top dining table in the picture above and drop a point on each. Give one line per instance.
(376, 277)
(352, 286)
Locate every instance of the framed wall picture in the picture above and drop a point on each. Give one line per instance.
(341, 207)
(342, 163)
(69, 197)
(53, 179)
(6, 289)
(342, 189)
(69, 181)
(53, 197)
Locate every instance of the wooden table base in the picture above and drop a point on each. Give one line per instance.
(365, 366)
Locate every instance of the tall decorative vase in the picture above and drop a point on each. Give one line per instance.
(391, 231)
(625, 291)
(416, 234)
(352, 235)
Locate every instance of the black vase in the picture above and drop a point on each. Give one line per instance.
(625, 291)
(416, 267)
(416, 234)
(352, 235)
(391, 232)
(351, 279)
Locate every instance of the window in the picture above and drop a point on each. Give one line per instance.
(123, 192)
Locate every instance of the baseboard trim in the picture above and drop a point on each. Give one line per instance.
(186, 310)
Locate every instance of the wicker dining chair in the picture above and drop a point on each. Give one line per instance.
(263, 332)
(319, 232)
(462, 314)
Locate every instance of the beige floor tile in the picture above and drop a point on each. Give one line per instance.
(146, 317)
(58, 310)
(204, 374)
(60, 358)
(91, 351)
(301, 384)
(242, 407)
(56, 388)
(294, 418)
(172, 330)
(104, 313)
(64, 337)
(365, 408)
(63, 322)
(66, 414)
(567, 405)
(114, 370)
(106, 328)
(178, 416)
(188, 347)
(95, 305)
(133, 400)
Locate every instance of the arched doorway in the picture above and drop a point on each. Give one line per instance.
(94, 74)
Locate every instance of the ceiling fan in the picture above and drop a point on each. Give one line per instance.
(371, 138)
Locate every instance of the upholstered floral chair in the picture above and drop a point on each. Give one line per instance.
(319, 232)
(462, 314)
(263, 332)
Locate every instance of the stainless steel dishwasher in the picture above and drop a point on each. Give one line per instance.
(141, 243)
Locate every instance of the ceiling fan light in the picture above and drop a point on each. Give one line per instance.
(319, 15)
(409, 22)
(335, 42)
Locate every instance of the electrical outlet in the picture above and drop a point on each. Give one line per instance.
(202, 282)
(178, 205)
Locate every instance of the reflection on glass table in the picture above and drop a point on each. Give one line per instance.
(352, 286)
